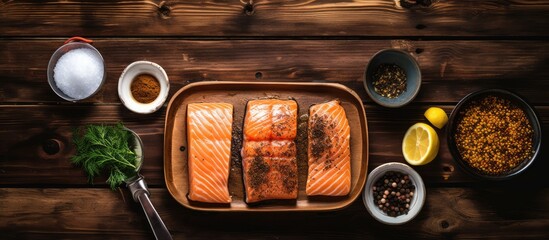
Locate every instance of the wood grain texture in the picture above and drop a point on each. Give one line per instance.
(456, 213)
(26, 129)
(450, 69)
(461, 46)
(221, 18)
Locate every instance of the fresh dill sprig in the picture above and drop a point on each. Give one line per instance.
(105, 149)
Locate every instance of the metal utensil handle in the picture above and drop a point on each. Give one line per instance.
(141, 194)
(159, 229)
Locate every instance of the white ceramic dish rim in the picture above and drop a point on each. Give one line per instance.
(416, 203)
(127, 76)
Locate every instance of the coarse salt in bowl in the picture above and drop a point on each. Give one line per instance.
(416, 203)
(76, 71)
(129, 74)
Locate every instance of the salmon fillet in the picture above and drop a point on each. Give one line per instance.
(209, 129)
(329, 152)
(269, 151)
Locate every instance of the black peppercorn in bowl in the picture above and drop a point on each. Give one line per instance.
(493, 134)
(394, 193)
(392, 78)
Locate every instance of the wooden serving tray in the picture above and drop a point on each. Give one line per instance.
(238, 94)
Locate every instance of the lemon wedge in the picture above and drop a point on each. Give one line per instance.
(420, 144)
(436, 116)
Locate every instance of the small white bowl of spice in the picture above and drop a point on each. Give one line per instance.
(394, 193)
(143, 87)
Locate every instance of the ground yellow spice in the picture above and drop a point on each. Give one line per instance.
(145, 88)
(493, 135)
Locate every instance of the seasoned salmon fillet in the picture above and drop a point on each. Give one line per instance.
(329, 152)
(269, 151)
(209, 129)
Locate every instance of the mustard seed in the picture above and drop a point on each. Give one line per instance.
(493, 135)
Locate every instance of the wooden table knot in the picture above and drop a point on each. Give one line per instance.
(413, 3)
(51, 146)
(249, 8)
(164, 10)
(258, 75)
(447, 171)
(444, 224)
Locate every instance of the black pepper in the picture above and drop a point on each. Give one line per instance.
(290, 183)
(392, 199)
(258, 172)
(320, 141)
(236, 146)
(389, 80)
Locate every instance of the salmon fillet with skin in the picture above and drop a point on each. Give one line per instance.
(209, 129)
(269, 151)
(329, 152)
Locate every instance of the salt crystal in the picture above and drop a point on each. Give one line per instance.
(78, 73)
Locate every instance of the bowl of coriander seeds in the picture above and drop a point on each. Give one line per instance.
(494, 134)
(394, 193)
(392, 78)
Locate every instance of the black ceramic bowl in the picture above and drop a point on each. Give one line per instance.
(516, 100)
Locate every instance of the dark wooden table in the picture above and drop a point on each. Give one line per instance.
(462, 46)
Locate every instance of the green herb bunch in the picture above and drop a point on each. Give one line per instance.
(106, 149)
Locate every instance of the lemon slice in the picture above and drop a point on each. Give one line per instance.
(436, 116)
(420, 144)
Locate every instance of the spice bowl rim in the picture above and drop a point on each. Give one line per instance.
(59, 52)
(401, 100)
(518, 101)
(416, 204)
(127, 76)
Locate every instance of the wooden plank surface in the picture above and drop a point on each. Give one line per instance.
(221, 18)
(31, 128)
(461, 46)
(457, 213)
(450, 69)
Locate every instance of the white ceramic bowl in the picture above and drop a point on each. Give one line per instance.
(124, 84)
(415, 205)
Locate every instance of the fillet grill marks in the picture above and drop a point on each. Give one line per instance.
(269, 151)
